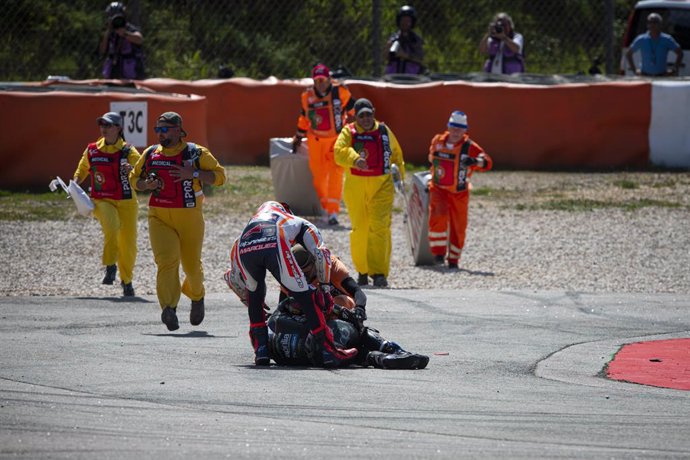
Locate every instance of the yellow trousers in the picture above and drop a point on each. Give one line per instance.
(328, 176)
(369, 202)
(118, 219)
(177, 236)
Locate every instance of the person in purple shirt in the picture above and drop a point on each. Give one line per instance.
(654, 46)
(405, 48)
(503, 46)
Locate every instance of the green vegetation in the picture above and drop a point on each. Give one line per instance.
(583, 205)
(247, 186)
(35, 206)
(626, 184)
(258, 38)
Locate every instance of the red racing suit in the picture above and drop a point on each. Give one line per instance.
(449, 193)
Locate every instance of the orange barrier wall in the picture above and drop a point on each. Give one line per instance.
(243, 114)
(527, 127)
(45, 134)
(602, 125)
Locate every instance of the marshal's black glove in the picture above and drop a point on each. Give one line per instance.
(467, 161)
(296, 142)
(360, 315)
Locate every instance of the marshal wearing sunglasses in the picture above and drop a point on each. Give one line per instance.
(174, 172)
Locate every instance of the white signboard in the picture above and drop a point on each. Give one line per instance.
(134, 120)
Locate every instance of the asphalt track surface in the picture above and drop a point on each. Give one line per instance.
(517, 375)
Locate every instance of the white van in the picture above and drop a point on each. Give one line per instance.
(676, 16)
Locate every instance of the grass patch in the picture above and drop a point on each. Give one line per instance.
(580, 205)
(245, 189)
(626, 184)
(35, 206)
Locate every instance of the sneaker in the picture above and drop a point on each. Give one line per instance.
(196, 315)
(363, 279)
(110, 271)
(261, 357)
(169, 318)
(380, 281)
(438, 260)
(452, 266)
(333, 219)
(127, 289)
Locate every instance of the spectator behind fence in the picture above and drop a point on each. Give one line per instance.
(121, 46)
(654, 46)
(504, 47)
(405, 48)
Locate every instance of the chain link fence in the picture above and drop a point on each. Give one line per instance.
(195, 39)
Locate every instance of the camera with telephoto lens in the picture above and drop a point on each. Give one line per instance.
(498, 28)
(118, 22)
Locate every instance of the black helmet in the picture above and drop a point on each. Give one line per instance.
(407, 10)
(115, 9)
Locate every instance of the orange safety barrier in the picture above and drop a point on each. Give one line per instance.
(602, 125)
(599, 125)
(243, 114)
(47, 132)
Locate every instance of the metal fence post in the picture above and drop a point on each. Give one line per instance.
(376, 37)
(609, 38)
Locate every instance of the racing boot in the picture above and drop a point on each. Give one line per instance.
(259, 337)
(400, 360)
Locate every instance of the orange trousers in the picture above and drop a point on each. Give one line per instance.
(447, 222)
(328, 176)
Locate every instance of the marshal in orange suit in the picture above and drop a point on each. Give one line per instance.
(323, 113)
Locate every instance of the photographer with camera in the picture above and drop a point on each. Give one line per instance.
(121, 46)
(504, 47)
(405, 49)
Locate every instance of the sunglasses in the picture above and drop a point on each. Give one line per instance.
(163, 129)
(106, 125)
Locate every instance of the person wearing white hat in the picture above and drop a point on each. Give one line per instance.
(453, 157)
(109, 161)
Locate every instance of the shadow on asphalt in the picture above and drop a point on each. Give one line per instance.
(134, 299)
(190, 334)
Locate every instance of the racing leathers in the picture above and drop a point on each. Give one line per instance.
(452, 166)
(368, 194)
(291, 344)
(321, 119)
(114, 199)
(264, 245)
